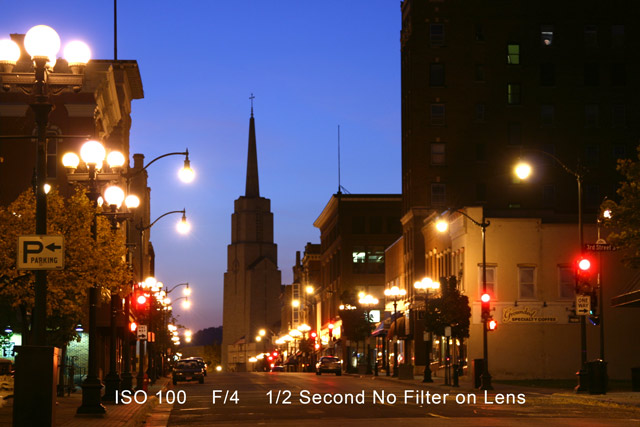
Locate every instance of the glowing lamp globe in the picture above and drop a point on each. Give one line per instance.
(42, 41)
(522, 170)
(132, 201)
(9, 52)
(115, 159)
(77, 53)
(70, 160)
(93, 153)
(186, 174)
(183, 226)
(114, 195)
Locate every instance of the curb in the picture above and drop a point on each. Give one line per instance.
(140, 418)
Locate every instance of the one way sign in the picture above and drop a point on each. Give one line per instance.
(40, 252)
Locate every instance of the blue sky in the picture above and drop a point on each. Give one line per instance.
(311, 65)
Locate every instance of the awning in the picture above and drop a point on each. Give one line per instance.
(397, 328)
(381, 330)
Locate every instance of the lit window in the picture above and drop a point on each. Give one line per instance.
(526, 282)
(437, 153)
(359, 255)
(546, 35)
(513, 54)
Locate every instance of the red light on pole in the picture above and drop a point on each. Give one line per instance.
(275, 354)
(584, 264)
(492, 325)
(485, 298)
(133, 326)
(141, 299)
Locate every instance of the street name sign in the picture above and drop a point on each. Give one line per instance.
(583, 305)
(599, 247)
(40, 252)
(142, 332)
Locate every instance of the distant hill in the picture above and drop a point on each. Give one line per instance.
(208, 336)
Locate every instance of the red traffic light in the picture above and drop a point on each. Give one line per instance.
(492, 325)
(270, 358)
(317, 346)
(485, 298)
(141, 300)
(330, 326)
(584, 264)
(133, 326)
(275, 354)
(313, 335)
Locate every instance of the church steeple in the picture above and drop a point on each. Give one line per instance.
(252, 187)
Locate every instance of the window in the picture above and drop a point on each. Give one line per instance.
(491, 280)
(591, 113)
(591, 74)
(618, 75)
(368, 259)
(437, 153)
(546, 35)
(513, 93)
(480, 110)
(547, 74)
(514, 133)
(513, 54)
(437, 114)
(617, 35)
(436, 34)
(438, 194)
(546, 115)
(479, 33)
(526, 282)
(566, 282)
(479, 72)
(618, 115)
(590, 36)
(436, 75)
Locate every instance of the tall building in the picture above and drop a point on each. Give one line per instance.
(482, 87)
(252, 281)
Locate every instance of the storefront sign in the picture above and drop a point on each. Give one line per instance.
(525, 315)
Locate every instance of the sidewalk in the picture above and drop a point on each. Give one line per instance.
(624, 398)
(117, 415)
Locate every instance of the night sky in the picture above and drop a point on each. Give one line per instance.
(311, 65)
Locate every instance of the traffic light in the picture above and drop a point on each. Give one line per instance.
(330, 330)
(486, 306)
(492, 325)
(584, 272)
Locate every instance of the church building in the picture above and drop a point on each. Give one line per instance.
(252, 281)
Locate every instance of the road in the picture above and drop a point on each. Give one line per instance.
(306, 399)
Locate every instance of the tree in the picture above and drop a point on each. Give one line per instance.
(87, 261)
(625, 214)
(451, 308)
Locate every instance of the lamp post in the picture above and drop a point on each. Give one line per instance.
(395, 293)
(425, 285)
(442, 226)
(523, 171)
(368, 301)
(42, 43)
(93, 155)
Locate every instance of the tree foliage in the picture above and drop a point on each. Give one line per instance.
(355, 325)
(625, 214)
(88, 262)
(451, 308)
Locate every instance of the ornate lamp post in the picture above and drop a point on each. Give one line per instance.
(442, 226)
(425, 285)
(368, 301)
(42, 43)
(395, 293)
(523, 171)
(93, 154)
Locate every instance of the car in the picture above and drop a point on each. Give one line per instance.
(329, 364)
(187, 370)
(201, 362)
(277, 368)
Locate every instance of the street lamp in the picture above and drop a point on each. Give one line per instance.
(93, 155)
(523, 170)
(369, 301)
(395, 293)
(425, 285)
(442, 226)
(42, 44)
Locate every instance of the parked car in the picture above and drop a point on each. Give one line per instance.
(187, 370)
(329, 364)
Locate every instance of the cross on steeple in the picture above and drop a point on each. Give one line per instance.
(252, 98)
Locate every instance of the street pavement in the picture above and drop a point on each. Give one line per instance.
(286, 398)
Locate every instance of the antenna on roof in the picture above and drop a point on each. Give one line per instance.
(340, 187)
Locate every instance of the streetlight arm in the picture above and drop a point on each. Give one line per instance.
(577, 174)
(484, 224)
(177, 286)
(141, 228)
(183, 153)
